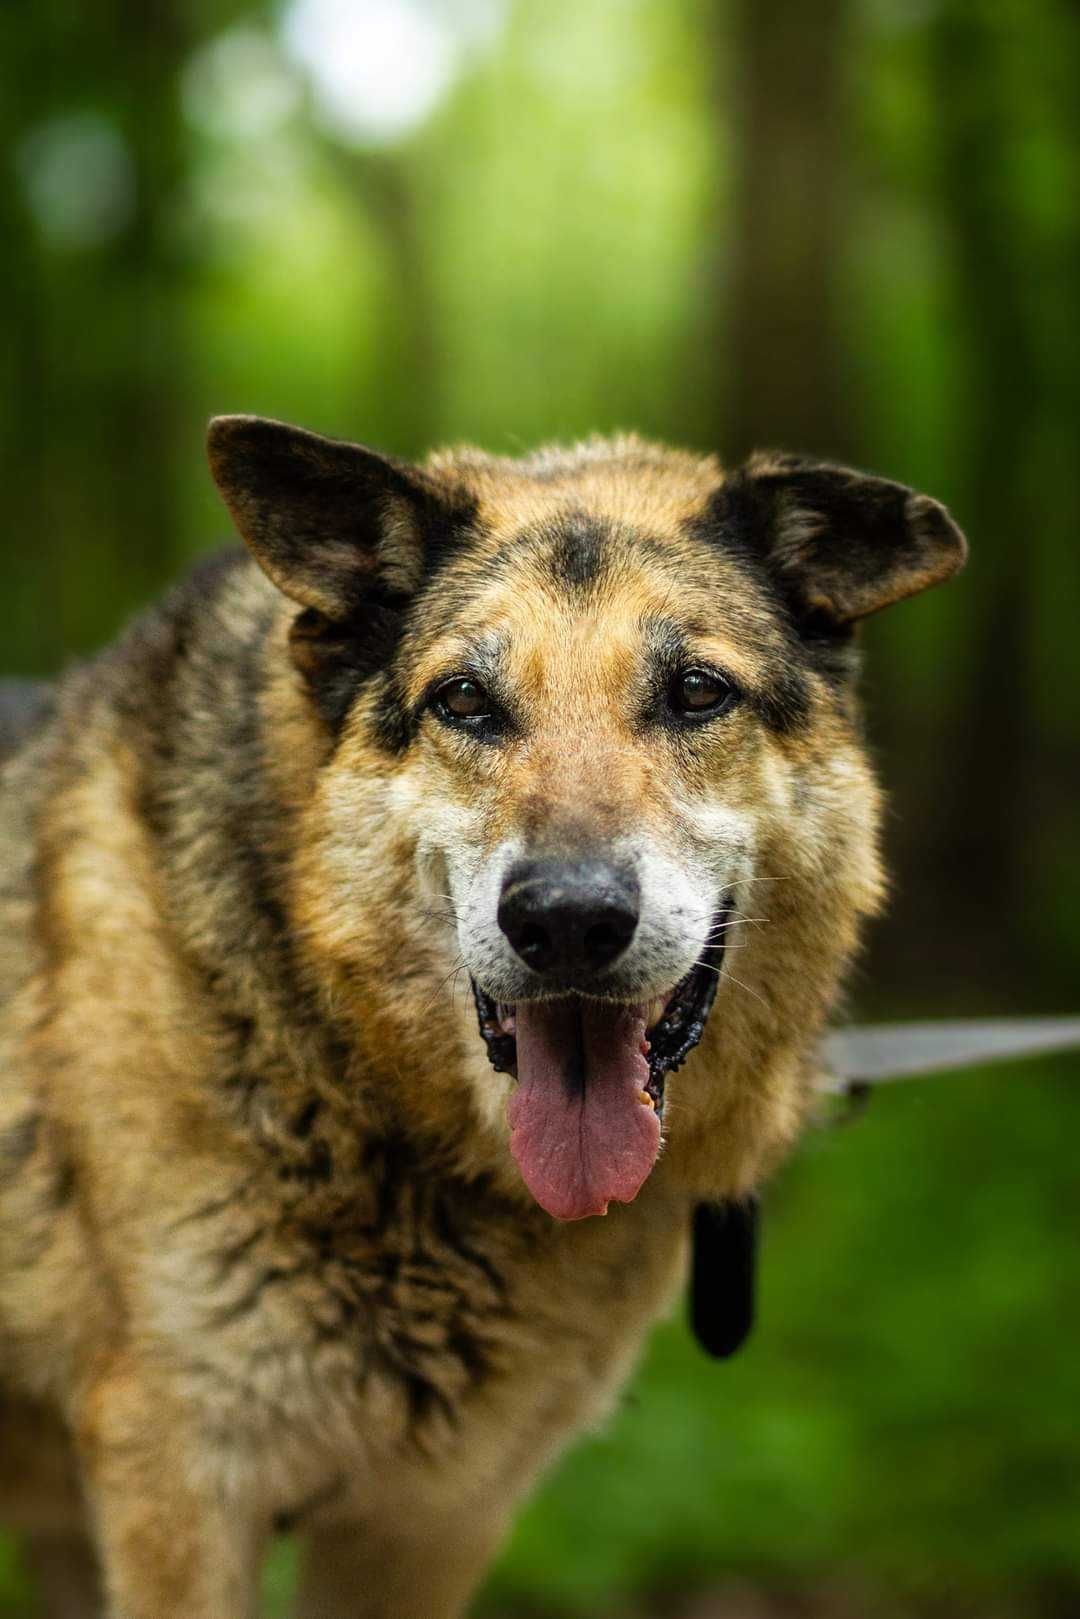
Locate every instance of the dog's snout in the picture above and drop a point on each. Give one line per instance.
(565, 918)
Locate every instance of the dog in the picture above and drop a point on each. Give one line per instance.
(476, 854)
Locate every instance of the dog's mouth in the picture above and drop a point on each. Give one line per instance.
(586, 1113)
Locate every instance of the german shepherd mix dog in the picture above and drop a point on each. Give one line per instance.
(285, 1237)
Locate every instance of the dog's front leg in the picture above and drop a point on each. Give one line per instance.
(174, 1542)
(426, 1568)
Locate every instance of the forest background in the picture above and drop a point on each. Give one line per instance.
(849, 227)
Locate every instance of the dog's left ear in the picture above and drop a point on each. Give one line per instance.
(840, 544)
(329, 522)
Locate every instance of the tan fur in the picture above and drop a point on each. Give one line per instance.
(264, 1254)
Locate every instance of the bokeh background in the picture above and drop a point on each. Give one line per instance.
(850, 227)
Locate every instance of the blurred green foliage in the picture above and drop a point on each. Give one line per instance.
(844, 226)
(906, 1412)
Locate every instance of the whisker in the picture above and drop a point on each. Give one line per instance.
(748, 990)
(454, 982)
(698, 916)
(747, 881)
(441, 985)
(708, 967)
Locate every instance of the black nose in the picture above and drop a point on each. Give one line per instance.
(569, 917)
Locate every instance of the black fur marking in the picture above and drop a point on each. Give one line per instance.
(228, 1258)
(50, 1185)
(18, 1143)
(447, 523)
(396, 1280)
(389, 1161)
(411, 1287)
(448, 1231)
(243, 1090)
(467, 1349)
(784, 702)
(62, 1189)
(722, 1285)
(579, 546)
(288, 1519)
(316, 1168)
(425, 1398)
(272, 1276)
(396, 724)
(250, 838)
(336, 659)
(216, 1206)
(302, 1123)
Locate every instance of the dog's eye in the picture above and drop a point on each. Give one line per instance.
(463, 698)
(696, 691)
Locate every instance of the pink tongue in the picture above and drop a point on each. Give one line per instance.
(581, 1134)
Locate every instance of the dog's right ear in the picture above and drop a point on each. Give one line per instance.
(840, 544)
(329, 522)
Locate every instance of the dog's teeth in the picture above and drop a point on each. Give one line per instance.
(643, 1096)
(654, 1011)
(507, 1020)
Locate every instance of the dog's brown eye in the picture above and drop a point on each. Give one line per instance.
(696, 691)
(465, 699)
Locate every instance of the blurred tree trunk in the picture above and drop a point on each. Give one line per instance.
(150, 394)
(22, 446)
(100, 355)
(986, 853)
(401, 413)
(992, 767)
(129, 409)
(784, 349)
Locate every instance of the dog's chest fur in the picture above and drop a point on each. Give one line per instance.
(353, 1336)
(410, 1333)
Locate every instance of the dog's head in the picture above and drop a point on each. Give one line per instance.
(588, 719)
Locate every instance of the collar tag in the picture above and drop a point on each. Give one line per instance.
(722, 1277)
